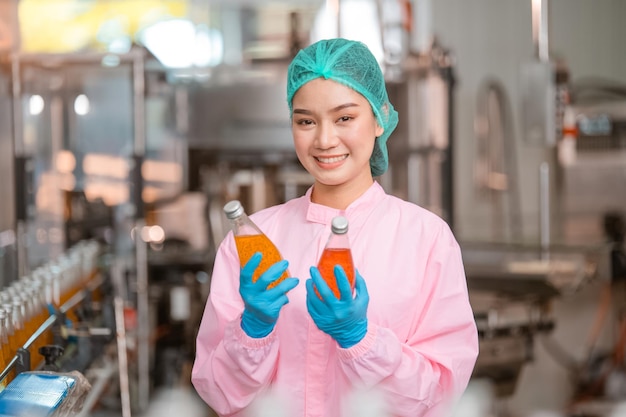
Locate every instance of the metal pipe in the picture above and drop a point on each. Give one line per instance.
(139, 89)
(18, 144)
(544, 209)
(141, 255)
(447, 199)
(333, 8)
(19, 153)
(55, 249)
(55, 60)
(414, 138)
(422, 35)
(120, 332)
(540, 29)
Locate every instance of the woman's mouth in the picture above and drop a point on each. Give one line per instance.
(331, 159)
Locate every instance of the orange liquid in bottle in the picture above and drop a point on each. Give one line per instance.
(330, 258)
(249, 245)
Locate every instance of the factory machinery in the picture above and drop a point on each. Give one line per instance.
(110, 337)
(121, 314)
(69, 334)
(56, 323)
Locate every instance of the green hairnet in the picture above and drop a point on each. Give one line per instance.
(352, 64)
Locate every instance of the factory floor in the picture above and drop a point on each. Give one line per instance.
(175, 398)
(166, 402)
(177, 401)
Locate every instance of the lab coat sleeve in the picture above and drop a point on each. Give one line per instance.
(425, 374)
(230, 368)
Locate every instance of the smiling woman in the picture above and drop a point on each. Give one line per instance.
(405, 337)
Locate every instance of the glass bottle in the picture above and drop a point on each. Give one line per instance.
(18, 321)
(249, 239)
(337, 252)
(5, 349)
(7, 318)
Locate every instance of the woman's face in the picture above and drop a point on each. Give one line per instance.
(334, 130)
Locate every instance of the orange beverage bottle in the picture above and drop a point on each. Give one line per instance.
(337, 252)
(5, 350)
(12, 344)
(249, 239)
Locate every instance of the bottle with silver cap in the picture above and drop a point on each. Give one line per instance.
(337, 252)
(249, 239)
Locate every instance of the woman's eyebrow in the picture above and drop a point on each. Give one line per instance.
(344, 106)
(334, 109)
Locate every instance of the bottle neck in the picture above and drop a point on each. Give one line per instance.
(338, 241)
(243, 225)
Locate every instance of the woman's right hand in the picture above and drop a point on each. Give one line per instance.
(262, 305)
(344, 318)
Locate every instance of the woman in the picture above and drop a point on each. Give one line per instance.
(406, 336)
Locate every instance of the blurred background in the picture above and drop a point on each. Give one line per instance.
(126, 125)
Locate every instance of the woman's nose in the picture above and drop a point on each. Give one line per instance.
(326, 137)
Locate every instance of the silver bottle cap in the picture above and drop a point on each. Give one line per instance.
(233, 209)
(339, 225)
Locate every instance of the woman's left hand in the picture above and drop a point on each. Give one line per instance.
(343, 318)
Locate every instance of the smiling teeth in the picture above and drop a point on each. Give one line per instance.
(331, 160)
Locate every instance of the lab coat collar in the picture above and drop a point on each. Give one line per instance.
(319, 213)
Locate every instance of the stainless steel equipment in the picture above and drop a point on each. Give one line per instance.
(102, 149)
(8, 258)
(495, 165)
(506, 331)
(421, 148)
(511, 289)
(593, 175)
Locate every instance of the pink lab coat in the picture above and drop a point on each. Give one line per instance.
(421, 344)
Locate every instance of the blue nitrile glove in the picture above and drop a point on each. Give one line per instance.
(262, 306)
(344, 319)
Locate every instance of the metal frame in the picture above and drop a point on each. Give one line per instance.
(136, 58)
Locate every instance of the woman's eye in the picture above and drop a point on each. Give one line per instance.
(344, 118)
(304, 122)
